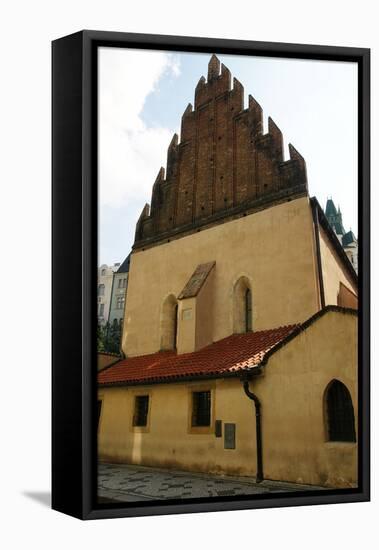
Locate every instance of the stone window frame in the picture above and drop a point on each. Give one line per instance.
(240, 324)
(120, 301)
(134, 395)
(326, 415)
(200, 387)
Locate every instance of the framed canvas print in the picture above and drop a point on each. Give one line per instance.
(210, 274)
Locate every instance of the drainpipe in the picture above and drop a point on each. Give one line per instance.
(258, 428)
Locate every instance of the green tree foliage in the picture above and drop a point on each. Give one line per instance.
(100, 338)
(109, 337)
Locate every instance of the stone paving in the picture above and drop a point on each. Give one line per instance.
(128, 483)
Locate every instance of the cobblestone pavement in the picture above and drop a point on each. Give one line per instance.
(127, 483)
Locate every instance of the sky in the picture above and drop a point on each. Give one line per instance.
(143, 94)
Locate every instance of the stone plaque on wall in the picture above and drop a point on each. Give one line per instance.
(229, 436)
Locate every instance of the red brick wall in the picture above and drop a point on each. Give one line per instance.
(222, 164)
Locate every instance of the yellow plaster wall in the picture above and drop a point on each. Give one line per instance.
(291, 392)
(186, 338)
(273, 248)
(333, 271)
(170, 441)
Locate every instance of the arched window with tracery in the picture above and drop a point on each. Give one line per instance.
(242, 306)
(169, 323)
(339, 412)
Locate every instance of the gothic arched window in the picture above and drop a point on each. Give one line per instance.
(339, 413)
(242, 306)
(248, 310)
(169, 323)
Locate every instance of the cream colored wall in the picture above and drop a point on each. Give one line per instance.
(186, 338)
(273, 248)
(291, 392)
(170, 441)
(333, 271)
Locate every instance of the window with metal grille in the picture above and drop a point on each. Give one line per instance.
(201, 408)
(340, 413)
(248, 310)
(141, 409)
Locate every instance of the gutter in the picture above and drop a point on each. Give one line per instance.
(258, 426)
(177, 379)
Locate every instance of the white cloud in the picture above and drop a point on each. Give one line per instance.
(130, 153)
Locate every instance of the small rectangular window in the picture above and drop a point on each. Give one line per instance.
(120, 302)
(101, 310)
(141, 409)
(201, 408)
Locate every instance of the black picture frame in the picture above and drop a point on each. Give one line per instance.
(74, 206)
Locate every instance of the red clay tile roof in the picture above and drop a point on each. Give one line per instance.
(234, 353)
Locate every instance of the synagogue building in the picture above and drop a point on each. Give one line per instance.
(240, 329)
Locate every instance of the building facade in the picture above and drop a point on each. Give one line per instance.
(240, 295)
(104, 291)
(119, 288)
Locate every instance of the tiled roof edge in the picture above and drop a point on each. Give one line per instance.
(183, 378)
(253, 371)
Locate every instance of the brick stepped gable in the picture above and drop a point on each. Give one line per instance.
(224, 166)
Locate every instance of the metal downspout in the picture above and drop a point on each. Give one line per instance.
(258, 426)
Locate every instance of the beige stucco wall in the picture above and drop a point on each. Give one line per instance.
(195, 319)
(294, 439)
(273, 248)
(187, 317)
(291, 392)
(333, 271)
